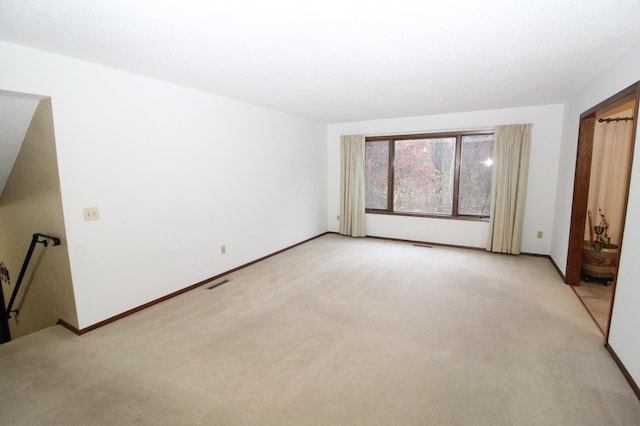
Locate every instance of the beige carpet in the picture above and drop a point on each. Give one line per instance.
(336, 331)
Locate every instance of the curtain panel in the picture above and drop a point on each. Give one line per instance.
(511, 148)
(352, 185)
(609, 174)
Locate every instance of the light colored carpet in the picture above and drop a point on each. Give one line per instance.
(336, 331)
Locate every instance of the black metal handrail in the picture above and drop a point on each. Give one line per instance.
(35, 239)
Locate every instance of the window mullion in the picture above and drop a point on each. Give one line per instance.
(468, 192)
(392, 157)
(456, 175)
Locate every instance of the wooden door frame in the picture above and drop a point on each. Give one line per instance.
(5, 332)
(581, 184)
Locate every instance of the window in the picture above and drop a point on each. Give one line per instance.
(430, 175)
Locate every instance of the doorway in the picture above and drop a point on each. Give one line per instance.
(30, 203)
(5, 332)
(598, 297)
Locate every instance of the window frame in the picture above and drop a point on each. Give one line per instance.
(456, 179)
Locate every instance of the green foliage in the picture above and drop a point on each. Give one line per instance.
(424, 174)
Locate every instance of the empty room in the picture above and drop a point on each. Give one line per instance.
(340, 212)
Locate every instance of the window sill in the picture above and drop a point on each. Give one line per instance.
(429, 216)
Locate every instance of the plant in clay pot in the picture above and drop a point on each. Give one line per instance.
(602, 239)
(599, 256)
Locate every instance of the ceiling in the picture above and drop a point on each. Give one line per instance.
(16, 111)
(343, 60)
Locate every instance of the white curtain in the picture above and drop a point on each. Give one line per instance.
(511, 149)
(609, 174)
(352, 178)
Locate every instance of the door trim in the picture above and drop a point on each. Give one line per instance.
(581, 185)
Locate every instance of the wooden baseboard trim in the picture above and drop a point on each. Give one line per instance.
(555, 265)
(68, 326)
(176, 293)
(623, 369)
(449, 245)
(400, 240)
(469, 248)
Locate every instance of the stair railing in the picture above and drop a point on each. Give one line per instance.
(35, 239)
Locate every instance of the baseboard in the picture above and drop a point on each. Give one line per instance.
(453, 246)
(623, 369)
(425, 243)
(208, 280)
(69, 326)
(175, 293)
(563, 276)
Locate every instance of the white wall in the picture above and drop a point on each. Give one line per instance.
(539, 208)
(624, 334)
(175, 172)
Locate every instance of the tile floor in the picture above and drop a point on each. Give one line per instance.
(597, 299)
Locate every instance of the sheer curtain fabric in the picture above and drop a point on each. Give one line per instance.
(609, 174)
(511, 148)
(352, 185)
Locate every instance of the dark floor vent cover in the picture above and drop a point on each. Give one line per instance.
(423, 245)
(212, 286)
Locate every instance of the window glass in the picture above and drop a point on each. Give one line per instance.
(474, 197)
(445, 174)
(423, 180)
(377, 174)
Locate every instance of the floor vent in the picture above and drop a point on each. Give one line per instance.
(423, 245)
(212, 286)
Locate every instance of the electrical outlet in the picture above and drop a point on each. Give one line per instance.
(91, 213)
(223, 249)
(540, 234)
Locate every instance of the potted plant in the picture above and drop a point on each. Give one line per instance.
(602, 239)
(599, 256)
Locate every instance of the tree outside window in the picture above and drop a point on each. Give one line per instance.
(439, 175)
